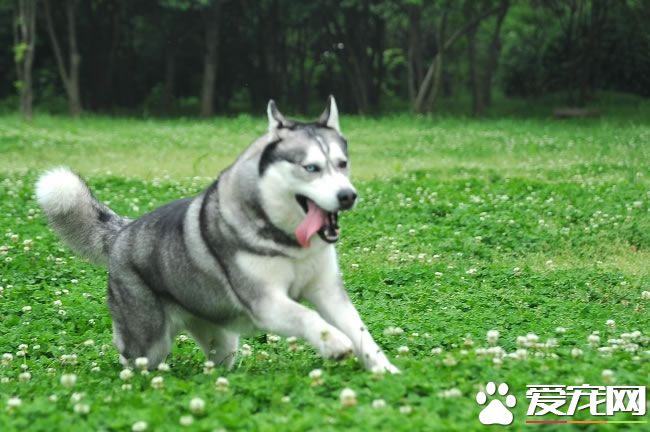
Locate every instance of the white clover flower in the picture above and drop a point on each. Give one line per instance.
(142, 362)
(197, 405)
(24, 377)
(593, 339)
(522, 341)
(76, 397)
(532, 338)
(222, 384)
(292, 341)
(645, 295)
(271, 338)
(316, 377)
(378, 371)
(492, 336)
(521, 354)
(57, 303)
(127, 387)
(208, 367)
(576, 352)
(560, 330)
(551, 343)
(139, 426)
(157, 382)
(348, 397)
(14, 402)
(89, 342)
(610, 323)
(450, 393)
(403, 350)
(163, 367)
(68, 380)
(285, 399)
(70, 359)
(186, 420)
(405, 409)
(246, 350)
(126, 374)
(6, 359)
(378, 404)
(27, 309)
(449, 361)
(53, 398)
(82, 408)
(606, 350)
(436, 350)
(607, 375)
(393, 331)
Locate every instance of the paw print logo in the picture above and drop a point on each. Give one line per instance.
(496, 412)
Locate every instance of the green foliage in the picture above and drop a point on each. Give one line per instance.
(463, 226)
(19, 51)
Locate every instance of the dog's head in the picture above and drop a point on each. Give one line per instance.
(304, 173)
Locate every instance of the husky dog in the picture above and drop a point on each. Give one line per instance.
(240, 256)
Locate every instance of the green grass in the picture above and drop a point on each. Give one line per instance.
(519, 225)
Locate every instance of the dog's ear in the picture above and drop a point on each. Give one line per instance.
(330, 116)
(276, 119)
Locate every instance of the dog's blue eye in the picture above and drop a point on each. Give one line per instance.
(311, 168)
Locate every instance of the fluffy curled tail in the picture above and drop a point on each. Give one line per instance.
(83, 223)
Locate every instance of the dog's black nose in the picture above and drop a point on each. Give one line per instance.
(346, 198)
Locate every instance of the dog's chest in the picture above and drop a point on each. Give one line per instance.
(291, 275)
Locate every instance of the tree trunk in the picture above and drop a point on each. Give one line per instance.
(25, 44)
(474, 79)
(493, 54)
(429, 86)
(74, 94)
(415, 66)
(69, 76)
(211, 17)
(170, 80)
(423, 100)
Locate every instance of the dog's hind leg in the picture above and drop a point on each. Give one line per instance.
(142, 325)
(219, 344)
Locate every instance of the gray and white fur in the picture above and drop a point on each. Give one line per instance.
(230, 260)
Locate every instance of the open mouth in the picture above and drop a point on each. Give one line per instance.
(318, 221)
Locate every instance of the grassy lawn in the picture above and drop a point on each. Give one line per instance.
(528, 226)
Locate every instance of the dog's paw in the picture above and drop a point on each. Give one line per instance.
(380, 364)
(334, 344)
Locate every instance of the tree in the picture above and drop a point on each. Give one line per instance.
(24, 50)
(69, 75)
(211, 16)
(428, 89)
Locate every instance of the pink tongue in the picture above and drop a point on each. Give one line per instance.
(314, 220)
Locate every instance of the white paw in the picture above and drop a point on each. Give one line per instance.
(334, 344)
(380, 363)
(496, 412)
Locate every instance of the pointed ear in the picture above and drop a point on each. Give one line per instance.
(276, 119)
(330, 116)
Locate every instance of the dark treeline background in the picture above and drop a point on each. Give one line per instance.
(201, 57)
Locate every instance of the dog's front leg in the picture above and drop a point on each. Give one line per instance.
(333, 303)
(277, 313)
